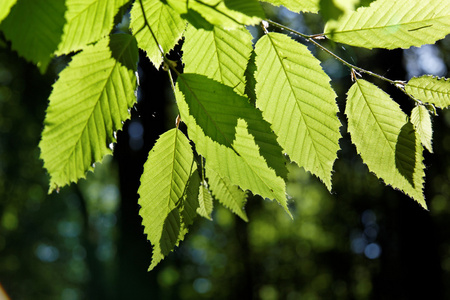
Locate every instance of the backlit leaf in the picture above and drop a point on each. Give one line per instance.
(87, 22)
(421, 119)
(330, 10)
(227, 14)
(164, 182)
(295, 96)
(205, 202)
(165, 23)
(188, 209)
(232, 136)
(5, 7)
(393, 24)
(88, 104)
(296, 5)
(35, 29)
(226, 193)
(385, 139)
(218, 54)
(250, 84)
(333, 9)
(190, 202)
(430, 89)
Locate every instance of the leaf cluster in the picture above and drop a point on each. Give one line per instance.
(250, 107)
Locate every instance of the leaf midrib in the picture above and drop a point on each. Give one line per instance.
(292, 92)
(70, 156)
(374, 115)
(230, 143)
(437, 90)
(429, 20)
(381, 129)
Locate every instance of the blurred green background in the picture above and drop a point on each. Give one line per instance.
(362, 241)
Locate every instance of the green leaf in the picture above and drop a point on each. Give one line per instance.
(124, 50)
(88, 104)
(421, 119)
(226, 193)
(217, 108)
(333, 9)
(190, 199)
(430, 89)
(188, 209)
(295, 96)
(393, 24)
(35, 29)
(330, 10)
(165, 23)
(168, 237)
(250, 84)
(227, 14)
(5, 7)
(164, 181)
(232, 136)
(296, 5)
(87, 22)
(219, 54)
(385, 139)
(364, 3)
(205, 202)
(179, 219)
(347, 5)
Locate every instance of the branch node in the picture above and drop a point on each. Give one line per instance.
(265, 25)
(354, 75)
(319, 36)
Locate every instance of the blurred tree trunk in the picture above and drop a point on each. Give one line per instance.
(135, 252)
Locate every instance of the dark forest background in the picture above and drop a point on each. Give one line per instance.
(363, 241)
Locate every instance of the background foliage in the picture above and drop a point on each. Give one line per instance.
(92, 235)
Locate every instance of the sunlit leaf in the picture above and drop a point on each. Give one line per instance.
(5, 7)
(393, 24)
(205, 202)
(164, 182)
(330, 10)
(232, 136)
(87, 22)
(88, 104)
(250, 84)
(296, 5)
(226, 193)
(166, 25)
(385, 139)
(35, 29)
(333, 9)
(218, 54)
(190, 199)
(217, 108)
(188, 208)
(364, 3)
(227, 14)
(430, 89)
(295, 96)
(421, 119)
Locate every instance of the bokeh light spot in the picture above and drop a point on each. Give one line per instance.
(47, 253)
(372, 251)
(202, 285)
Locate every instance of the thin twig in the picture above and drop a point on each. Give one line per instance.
(168, 64)
(312, 39)
(151, 31)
